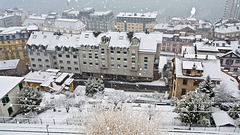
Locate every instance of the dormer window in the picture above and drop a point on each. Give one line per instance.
(86, 35)
(120, 37)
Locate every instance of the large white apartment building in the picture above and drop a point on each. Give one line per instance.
(132, 56)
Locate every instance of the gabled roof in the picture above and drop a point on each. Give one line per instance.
(7, 83)
(231, 52)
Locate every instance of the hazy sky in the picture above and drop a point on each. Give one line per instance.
(205, 9)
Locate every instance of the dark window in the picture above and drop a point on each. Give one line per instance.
(74, 56)
(59, 55)
(60, 61)
(67, 56)
(184, 81)
(5, 100)
(229, 62)
(46, 60)
(20, 86)
(118, 58)
(196, 83)
(68, 62)
(32, 59)
(188, 71)
(235, 69)
(34, 65)
(47, 66)
(39, 60)
(76, 69)
(10, 111)
(69, 68)
(183, 91)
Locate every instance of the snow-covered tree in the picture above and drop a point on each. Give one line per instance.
(206, 87)
(194, 108)
(125, 121)
(234, 112)
(30, 98)
(93, 86)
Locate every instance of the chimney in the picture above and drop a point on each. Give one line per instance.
(195, 56)
(184, 52)
(206, 57)
(194, 66)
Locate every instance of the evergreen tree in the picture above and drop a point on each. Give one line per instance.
(93, 86)
(30, 98)
(234, 112)
(194, 108)
(206, 87)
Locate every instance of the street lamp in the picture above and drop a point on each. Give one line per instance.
(47, 128)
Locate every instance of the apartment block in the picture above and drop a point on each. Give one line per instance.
(232, 9)
(132, 56)
(53, 50)
(12, 43)
(136, 22)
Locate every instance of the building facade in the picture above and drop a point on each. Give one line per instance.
(12, 43)
(10, 89)
(173, 43)
(113, 54)
(190, 69)
(136, 22)
(232, 10)
(10, 21)
(231, 62)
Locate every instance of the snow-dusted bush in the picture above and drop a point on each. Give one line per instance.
(206, 87)
(119, 122)
(30, 98)
(234, 112)
(194, 108)
(93, 86)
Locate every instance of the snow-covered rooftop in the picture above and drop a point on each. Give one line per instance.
(69, 24)
(165, 26)
(50, 78)
(228, 28)
(9, 64)
(34, 20)
(13, 30)
(209, 66)
(138, 15)
(99, 13)
(51, 41)
(7, 83)
(221, 119)
(191, 64)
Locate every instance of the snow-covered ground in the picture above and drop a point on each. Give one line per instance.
(61, 122)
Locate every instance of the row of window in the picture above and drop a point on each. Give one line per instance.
(230, 61)
(69, 68)
(195, 83)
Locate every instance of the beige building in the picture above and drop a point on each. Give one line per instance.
(190, 70)
(136, 22)
(9, 91)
